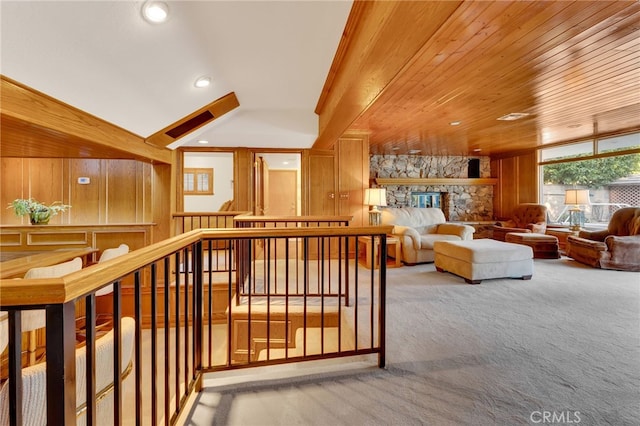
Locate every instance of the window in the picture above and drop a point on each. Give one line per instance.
(198, 182)
(611, 174)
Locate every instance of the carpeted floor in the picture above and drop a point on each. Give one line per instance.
(562, 348)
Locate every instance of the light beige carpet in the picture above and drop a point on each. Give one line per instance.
(564, 346)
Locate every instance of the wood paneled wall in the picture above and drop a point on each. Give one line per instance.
(120, 191)
(517, 182)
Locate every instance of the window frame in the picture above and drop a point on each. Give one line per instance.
(200, 175)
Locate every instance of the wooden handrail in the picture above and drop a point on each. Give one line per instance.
(37, 292)
(224, 213)
(324, 218)
(19, 266)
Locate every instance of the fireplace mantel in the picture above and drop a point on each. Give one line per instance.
(436, 181)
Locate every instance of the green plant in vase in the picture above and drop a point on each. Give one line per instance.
(39, 213)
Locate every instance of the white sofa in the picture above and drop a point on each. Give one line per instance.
(418, 228)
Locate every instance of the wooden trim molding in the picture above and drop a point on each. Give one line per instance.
(436, 181)
(37, 125)
(194, 121)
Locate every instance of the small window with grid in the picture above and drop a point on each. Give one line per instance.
(198, 182)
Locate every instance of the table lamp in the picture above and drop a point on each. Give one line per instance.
(576, 197)
(375, 197)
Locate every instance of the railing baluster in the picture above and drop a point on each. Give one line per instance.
(90, 371)
(180, 269)
(382, 303)
(197, 311)
(61, 363)
(210, 299)
(138, 344)
(154, 343)
(117, 352)
(15, 367)
(167, 354)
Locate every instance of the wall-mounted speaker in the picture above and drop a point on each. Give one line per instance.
(473, 170)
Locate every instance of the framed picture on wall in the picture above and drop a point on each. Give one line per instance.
(198, 182)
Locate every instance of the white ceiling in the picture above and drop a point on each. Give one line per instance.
(103, 58)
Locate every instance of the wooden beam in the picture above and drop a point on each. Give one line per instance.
(194, 121)
(374, 30)
(35, 124)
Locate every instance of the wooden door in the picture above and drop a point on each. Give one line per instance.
(321, 183)
(283, 192)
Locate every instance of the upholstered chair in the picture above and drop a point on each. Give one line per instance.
(617, 247)
(34, 408)
(527, 217)
(108, 254)
(32, 320)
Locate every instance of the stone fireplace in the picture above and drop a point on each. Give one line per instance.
(459, 202)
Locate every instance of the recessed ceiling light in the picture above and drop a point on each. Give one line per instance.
(395, 148)
(455, 123)
(202, 141)
(202, 82)
(477, 150)
(155, 11)
(414, 151)
(513, 116)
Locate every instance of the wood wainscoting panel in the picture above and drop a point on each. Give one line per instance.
(8, 239)
(122, 194)
(134, 237)
(54, 239)
(85, 198)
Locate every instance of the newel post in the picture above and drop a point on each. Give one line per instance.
(61, 364)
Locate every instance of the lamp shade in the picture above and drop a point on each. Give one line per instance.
(375, 196)
(576, 196)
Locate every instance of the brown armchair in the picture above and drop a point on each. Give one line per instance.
(527, 217)
(617, 247)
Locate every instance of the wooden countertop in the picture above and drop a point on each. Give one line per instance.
(16, 268)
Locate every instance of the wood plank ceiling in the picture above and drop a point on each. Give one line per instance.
(406, 70)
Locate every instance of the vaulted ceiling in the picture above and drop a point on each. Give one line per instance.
(401, 72)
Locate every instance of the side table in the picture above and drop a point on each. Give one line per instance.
(365, 255)
(561, 234)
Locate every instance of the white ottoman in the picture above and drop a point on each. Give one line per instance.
(482, 259)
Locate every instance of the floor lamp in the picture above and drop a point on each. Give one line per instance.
(375, 197)
(576, 197)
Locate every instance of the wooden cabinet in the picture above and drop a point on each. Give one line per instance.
(337, 179)
(517, 183)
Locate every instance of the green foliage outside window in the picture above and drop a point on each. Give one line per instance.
(592, 173)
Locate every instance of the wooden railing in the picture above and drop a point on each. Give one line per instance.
(205, 328)
(188, 221)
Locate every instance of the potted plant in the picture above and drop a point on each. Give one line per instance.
(39, 213)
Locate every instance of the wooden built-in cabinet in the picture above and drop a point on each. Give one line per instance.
(517, 183)
(337, 179)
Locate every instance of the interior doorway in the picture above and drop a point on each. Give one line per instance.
(277, 184)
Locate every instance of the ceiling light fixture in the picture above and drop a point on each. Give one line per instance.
(155, 11)
(414, 151)
(202, 82)
(455, 123)
(513, 116)
(202, 141)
